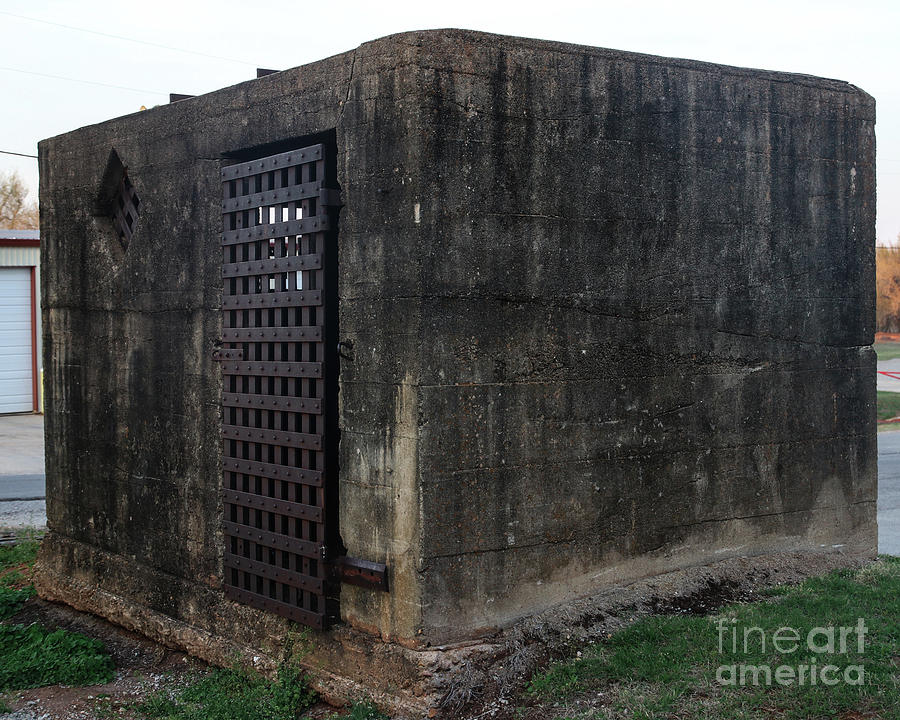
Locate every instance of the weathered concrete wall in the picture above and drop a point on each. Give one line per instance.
(610, 313)
(133, 448)
(647, 305)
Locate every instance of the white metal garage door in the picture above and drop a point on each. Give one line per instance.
(15, 340)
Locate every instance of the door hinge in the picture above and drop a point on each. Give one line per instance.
(363, 573)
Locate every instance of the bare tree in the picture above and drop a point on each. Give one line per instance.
(16, 213)
(887, 288)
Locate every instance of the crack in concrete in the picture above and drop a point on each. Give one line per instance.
(349, 86)
(581, 537)
(647, 454)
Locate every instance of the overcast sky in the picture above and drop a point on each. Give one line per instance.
(855, 41)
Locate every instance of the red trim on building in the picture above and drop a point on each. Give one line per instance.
(19, 242)
(34, 362)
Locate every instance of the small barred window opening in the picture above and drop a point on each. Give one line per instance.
(125, 210)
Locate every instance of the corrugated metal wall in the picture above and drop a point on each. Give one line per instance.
(29, 257)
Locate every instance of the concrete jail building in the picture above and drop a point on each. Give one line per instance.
(416, 341)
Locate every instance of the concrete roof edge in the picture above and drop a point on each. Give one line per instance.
(419, 37)
(498, 40)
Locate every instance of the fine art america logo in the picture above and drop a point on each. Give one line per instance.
(808, 648)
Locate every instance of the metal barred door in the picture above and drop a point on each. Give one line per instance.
(274, 396)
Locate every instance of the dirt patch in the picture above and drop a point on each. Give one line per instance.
(128, 650)
(17, 576)
(142, 667)
(486, 681)
(703, 600)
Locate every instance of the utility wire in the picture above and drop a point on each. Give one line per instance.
(127, 39)
(85, 82)
(10, 152)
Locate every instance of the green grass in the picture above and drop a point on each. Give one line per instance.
(15, 587)
(887, 405)
(233, 694)
(887, 350)
(23, 553)
(237, 694)
(32, 656)
(12, 599)
(667, 666)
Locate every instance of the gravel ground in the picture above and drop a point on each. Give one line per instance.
(23, 513)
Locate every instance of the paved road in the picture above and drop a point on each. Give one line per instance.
(889, 492)
(889, 470)
(22, 471)
(21, 487)
(21, 445)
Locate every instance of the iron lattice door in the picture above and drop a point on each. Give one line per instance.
(275, 396)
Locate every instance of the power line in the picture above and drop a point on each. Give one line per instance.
(127, 39)
(85, 82)
(10, 152)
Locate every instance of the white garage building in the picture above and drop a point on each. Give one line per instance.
(20, 321)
